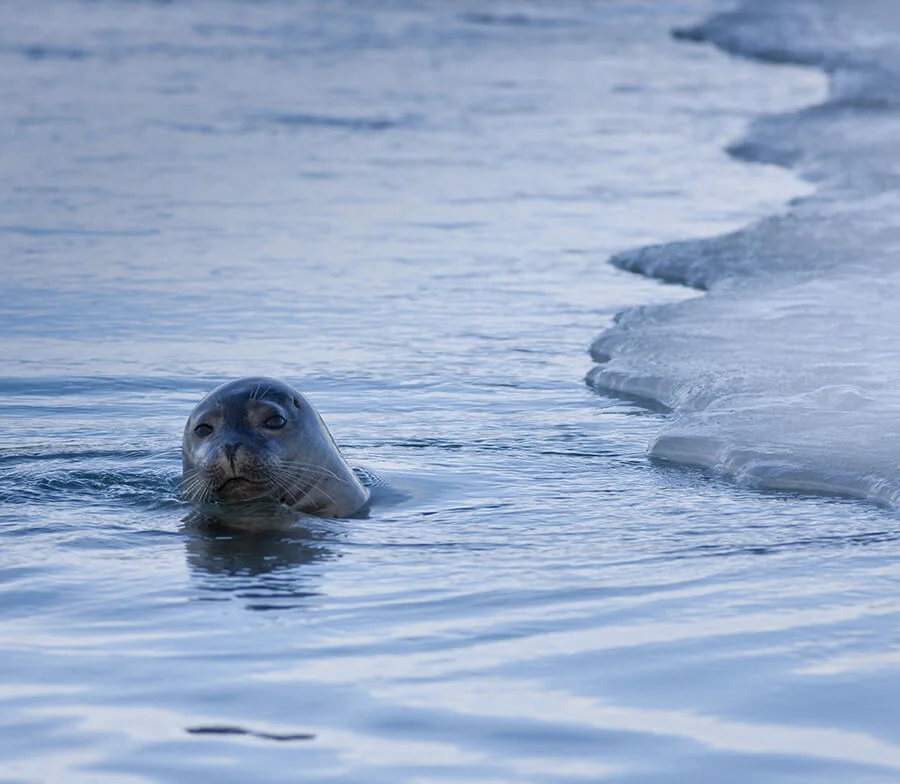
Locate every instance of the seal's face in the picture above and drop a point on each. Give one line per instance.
(241, 444)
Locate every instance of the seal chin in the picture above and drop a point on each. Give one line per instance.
(237, 488)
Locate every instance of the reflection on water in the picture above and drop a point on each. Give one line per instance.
(258, 516)
(260, 564)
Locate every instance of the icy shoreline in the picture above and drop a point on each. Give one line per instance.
(786, 374)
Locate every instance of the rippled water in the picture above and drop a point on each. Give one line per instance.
(405, 209)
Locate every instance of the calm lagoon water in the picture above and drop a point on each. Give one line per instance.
(404, 208)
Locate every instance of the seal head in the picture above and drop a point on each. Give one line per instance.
(258, 438)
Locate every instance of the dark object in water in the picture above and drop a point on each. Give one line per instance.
(225, 729)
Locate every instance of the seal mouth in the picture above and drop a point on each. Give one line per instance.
(238, 489)
(239, 483)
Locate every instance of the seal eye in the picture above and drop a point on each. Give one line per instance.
(275, 422)
(202, 430)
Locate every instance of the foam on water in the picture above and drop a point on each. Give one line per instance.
(787, 374)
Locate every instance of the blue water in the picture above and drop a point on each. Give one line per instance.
(405, 209)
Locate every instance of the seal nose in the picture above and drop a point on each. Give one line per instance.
(230, 452)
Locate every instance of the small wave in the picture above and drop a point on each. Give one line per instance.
(515, 20)
(75, 231)
(300, 120)
(228, 729)
(52, 52)
(80, 386)
(41, 479)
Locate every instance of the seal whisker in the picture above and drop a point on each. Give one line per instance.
(309, 474)
(308, 490)
(196, 488)
(287, 479)
(321, 470)
(258, 392)
(189, 485)
(291, 482)
(289, 490)
(313, 484)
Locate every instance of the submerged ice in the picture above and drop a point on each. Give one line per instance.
(786, 373)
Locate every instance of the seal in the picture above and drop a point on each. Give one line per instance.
(259, 439)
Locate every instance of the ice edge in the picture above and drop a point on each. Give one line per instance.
(854, 79)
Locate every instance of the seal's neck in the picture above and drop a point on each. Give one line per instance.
(336, 490)
(337, 494)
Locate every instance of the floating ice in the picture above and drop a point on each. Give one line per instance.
(786, 374)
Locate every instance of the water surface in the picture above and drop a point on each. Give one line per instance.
(405, 209)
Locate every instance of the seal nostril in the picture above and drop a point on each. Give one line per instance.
(230, 452)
